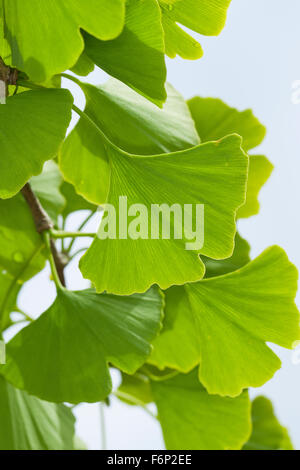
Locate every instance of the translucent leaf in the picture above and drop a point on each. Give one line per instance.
(33, 125)
(193, 419)
(47, 186)
(9, 290)
(213, 174)
(28, 423)
(267, 432)
(64, 355)
(223, 323)
(214, 120)
(135, 390)
(206, 17)
(239, 258)
(21, 246)
(74, 202)
(132, 123)
(136, 57)
(45, 38)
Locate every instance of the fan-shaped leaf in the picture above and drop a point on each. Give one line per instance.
(212, 174)
(203, 16)
(136, 57)
(223, 323)
(193, 419)
(45, 38)
(132, 123)
(28, 423)
(267, 432)
(214, 120)
(64, 355)
(32, 127)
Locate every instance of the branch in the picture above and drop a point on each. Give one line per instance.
(43, 223)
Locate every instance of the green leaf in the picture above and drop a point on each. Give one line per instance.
(45, 39)
(267, 432)
(213, 174)
(74, 202)
(214, 120)
(21, 246)
(132, 123)
(135, 390)
(223, 323)
(260, 170)
(9, 290)
(136, 57)
(203, 16)
(28, 423)
(47, 186)
(71, 345)
(239, 258)
(33, 125)
(193, 419)
(84, 66)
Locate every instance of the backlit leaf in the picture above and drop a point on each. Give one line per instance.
(136, 57)
(223, 324)
(28, 423)
(132, 123)
(64, 355)
(32, 127)
(193, 419)
(267, 432)
(206, 17)
(212, 174)
(45, 37)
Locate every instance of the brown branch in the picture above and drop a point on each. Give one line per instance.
(42, 223)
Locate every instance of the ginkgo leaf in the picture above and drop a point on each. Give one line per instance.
(213, 175)
(84, 65)
(28, 423)
(260, 170)
(214, 120)
(9, 290)
(21, 246)
(193, 419)
(223, 324)
(136, 57)
(47, 186)
(267, 432)
(64, 355)
(74, 202)
(45, 38)
(204, 16)
(135, 390)
(32, 127)
(239, 258)
(132, 123)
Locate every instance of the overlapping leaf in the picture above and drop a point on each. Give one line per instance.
(193, 419)
(267, 432)
(132, 123)
(212, 174)
(47, 187)
(32, 127)
(203, 16)
(223, 323)
(64, 355)
(9, 289)
(136, 57)
(45, 38)
(214, 120)
(28, 423)
(239, 258)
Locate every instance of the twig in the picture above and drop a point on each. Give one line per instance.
(43, 223)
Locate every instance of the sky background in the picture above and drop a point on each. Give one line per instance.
(252, 64)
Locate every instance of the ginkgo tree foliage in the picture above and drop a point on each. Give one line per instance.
(186, 329)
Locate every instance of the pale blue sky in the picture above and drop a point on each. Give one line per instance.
(251, 65)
